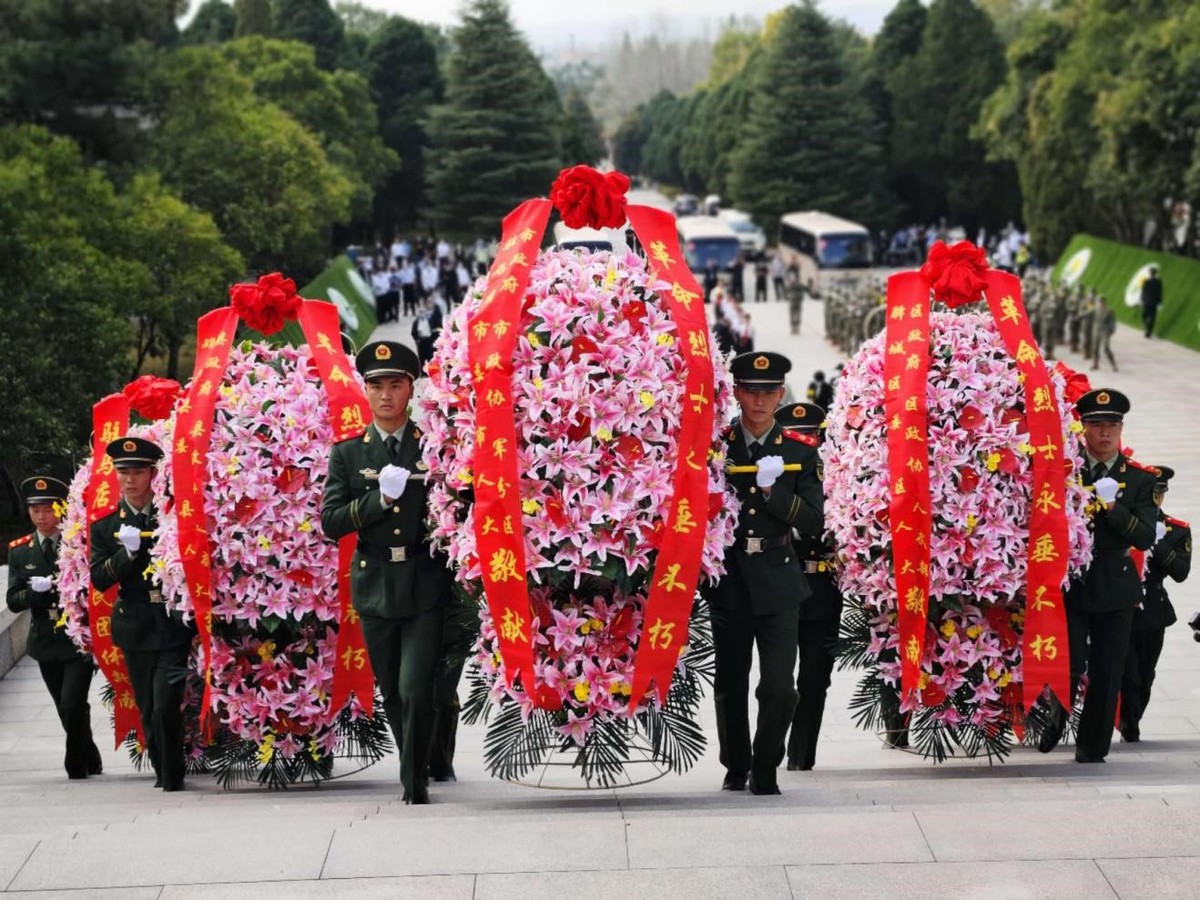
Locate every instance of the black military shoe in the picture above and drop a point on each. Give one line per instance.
(1083, 757)
(734, 781)
(448, 775)
(793, 765)
(762, 788)
(95, 764)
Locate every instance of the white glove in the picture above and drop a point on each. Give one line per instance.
(392, 481)
(1106, 489)
(1160, 531)
(130, 537)
(41, 583)
(769, 468)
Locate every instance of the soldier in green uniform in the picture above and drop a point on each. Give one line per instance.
(820, 613)
(154, 642)
(1171, 557)
(758, 599)
(32, 569)
(1100, 602)
(399, 588)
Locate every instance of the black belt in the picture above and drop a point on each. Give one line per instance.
(387, 554)
(813, 566)
(758, 545)
(141, 596)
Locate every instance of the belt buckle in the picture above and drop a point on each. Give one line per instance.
(156, 597)
(754, 545)
(399, 554)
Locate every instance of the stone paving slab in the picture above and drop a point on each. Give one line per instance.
(701, 883)
(423, 887)
(1158, 877)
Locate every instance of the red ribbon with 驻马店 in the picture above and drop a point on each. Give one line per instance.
(110, 420)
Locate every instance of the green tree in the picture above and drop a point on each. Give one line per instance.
(253, 17)
(629, 140)
(582, 141)
(188, 263)
(360, 19)
(215, 22)
(716, 129)
(66, 335)
(937, 95)
(262, 176)
(76, 67)
(809, 141)
(495, 141)
(403, 71)
(335, 106)
(312, 22)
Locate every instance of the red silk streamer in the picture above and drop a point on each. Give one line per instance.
(677, 569)
(499, 528)
(348, 414)
(110, 420)
(906, 367)
(193, 433)
(1044, 642)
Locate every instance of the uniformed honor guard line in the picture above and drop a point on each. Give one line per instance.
(729, 470)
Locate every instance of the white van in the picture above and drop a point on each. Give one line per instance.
(814, 242)
(582, 238)
(707, 239)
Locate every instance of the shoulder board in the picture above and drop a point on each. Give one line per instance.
(1176, 523)
(20, 542)
(1137, 465)
(809, 439)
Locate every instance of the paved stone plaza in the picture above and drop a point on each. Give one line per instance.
(867, 822)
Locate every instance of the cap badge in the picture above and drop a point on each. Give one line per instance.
(761, 362)
(129, 446)
(383, 351)
(1103, 399)
(799, 412)
(40, 484)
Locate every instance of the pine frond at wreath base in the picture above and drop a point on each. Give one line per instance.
(667, 738)
(874, 706)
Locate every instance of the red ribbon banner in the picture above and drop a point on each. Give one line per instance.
(905, 368)
(905, 371)
(499, 529)
(1044, 642)
(110, 420)
(677, 569)
(349, 413)
(193, 433)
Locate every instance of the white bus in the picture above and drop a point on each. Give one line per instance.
(815, 242)
(707, 239)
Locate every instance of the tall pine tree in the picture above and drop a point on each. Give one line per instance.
(809, 141)
(253, 17)
(313, 22)
(496, 140)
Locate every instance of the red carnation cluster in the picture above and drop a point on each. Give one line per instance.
(957, 275)
(586, 198)
(152, 397)
(267, 304)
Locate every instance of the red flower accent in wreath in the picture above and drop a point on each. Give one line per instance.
(152, 397)
(586, 198)
(267, 304)
(957, 275)
(1077, 385)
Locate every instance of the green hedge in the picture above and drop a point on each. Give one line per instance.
(340, 284)
(1116, 272)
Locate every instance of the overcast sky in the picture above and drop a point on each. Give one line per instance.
(557, 22)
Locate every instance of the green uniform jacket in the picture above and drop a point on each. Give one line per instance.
(1170, 558)
(393, 590)
(1110, 582)
(772, 580)
(140, 621)
(46, 643)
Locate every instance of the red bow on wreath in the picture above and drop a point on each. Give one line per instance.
(958, 274)
(267, 304)
(152, 397)
(586, 198)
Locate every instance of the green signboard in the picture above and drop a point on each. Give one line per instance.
(1117, 271)
(341, 285)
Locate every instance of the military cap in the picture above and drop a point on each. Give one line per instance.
(387, 358)
(1165, 474)
(133, 452)
(1102, 405)
(43, 489)
(760, 371)
(801, 416)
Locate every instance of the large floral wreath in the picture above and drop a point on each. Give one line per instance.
(980, 476)
(598, 395)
